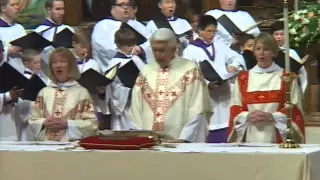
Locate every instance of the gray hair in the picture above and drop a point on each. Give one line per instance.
(166, 35)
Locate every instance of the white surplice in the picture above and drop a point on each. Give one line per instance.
(173, 102)
(241, 19)
(264, 91)
(8, 33)
(179, 26)
(303, 76)
(68, 101)
(121, 95)
(100, 105)
(220, 97)
(48, 29)
(103, 45)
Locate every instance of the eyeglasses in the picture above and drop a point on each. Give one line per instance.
(124, 5)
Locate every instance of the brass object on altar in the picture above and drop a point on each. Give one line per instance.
(289, 142)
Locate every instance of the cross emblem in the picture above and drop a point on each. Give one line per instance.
(87, 106)
(158, 114)
(57, 113)
(261, 97)
(174, 93)
(160, 92)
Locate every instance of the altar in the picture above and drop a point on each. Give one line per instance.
(184, 162)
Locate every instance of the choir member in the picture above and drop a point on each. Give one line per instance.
(257, 103)
(82, 50)
(9, 31)
(181, 27)
(240, 19)
(170, 94)
(32, 62)
(246, 42)
(224, 61)
(104, 47)
(121, 95)
(52, 24)
(9, 125)
(63, 111)
(277, 30)
(193, 19)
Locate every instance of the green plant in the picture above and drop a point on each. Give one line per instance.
(304, 25)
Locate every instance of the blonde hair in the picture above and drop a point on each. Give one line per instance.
(28, 55)
(73, 70)
(268, 41)
(82, 36)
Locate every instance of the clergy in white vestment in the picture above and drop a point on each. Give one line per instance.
(52, 24)
(63, 111)
(9, 124)
(103, 45)
(82, 50)
(9, 31)
(121, 94)
(181, 27)
(224, 61)
(257, 112)
(241, 19)
(277, 30)
(170, 95)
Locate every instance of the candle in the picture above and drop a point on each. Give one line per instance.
(286, 35)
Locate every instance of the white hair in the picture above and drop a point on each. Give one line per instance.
(166, 35)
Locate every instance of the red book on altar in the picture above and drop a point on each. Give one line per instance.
(118, 142)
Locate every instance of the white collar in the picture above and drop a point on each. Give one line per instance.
(63, 86)
(274, 67)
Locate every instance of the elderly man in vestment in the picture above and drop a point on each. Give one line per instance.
(103, 44)
(241, 19)
(257, 104)
(170, 95)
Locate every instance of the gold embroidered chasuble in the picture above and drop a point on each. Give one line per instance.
(165, 100)
(71, 102)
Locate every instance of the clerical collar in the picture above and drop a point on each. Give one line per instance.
(173, 18)
(203, 45)
(3, 23)
(122, 56)
(234, 10)
(63, 86)
(274, 67)
(49, 22)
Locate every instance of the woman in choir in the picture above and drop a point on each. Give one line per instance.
(82, 50)
(121, 95)
(63, 111)
(9, 31)
(257, 103)
(241, 19)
